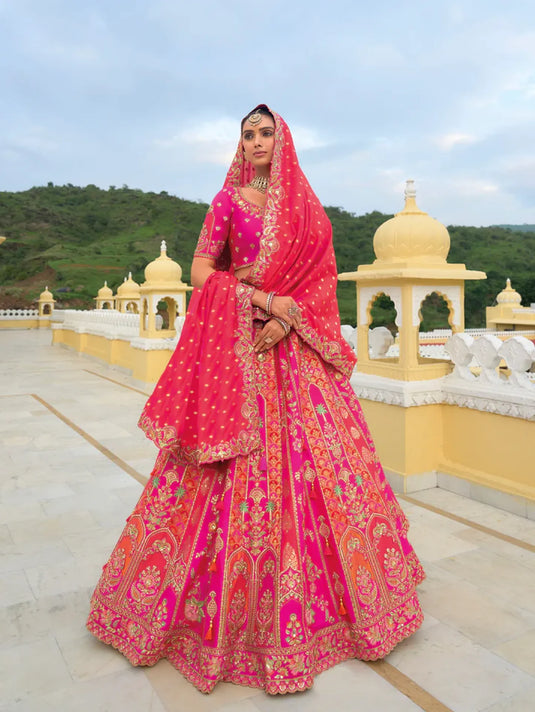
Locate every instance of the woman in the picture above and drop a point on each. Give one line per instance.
(267, 545)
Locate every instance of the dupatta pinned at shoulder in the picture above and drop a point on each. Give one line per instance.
(204, 405)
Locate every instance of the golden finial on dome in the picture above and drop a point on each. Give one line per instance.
(411, 236)
(163, 270)
(509, 295)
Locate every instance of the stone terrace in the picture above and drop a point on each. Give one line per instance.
(71, 463)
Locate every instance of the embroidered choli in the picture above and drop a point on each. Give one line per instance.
(231, 219)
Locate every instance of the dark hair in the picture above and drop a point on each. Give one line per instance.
(260, 109)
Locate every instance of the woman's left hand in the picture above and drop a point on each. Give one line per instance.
(270, 335)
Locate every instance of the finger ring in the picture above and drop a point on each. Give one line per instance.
(293, 310)
(268, 339)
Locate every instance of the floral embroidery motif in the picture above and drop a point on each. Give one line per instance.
(146, 587)
(294, 631)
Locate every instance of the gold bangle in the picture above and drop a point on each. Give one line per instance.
(287, 328)
(268, 302)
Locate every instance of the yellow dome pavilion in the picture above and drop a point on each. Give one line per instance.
(46, 296)
(163, 283)
(128, 289)
(163, 271)
(411, 250)
(45, 303)
(509, 314)
(411, 236)
(105, 298)
(105, 292)
(509, 295)
(128, 296)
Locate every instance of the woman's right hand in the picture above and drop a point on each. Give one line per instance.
(286, 308)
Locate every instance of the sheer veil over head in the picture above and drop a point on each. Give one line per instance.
(296, 253)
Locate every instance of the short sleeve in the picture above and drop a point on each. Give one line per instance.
(216, 227)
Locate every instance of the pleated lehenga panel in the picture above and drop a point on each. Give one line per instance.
(267, 569)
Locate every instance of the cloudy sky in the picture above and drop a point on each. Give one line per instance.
(149, 93)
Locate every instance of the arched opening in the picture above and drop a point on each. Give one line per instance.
(145, 315)
(162, 310)
(132, 307)
(383, 313)
(46, 309)
(105, 305)
(435, 315)
(383, 329)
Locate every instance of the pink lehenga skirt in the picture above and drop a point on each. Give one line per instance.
(267, 569)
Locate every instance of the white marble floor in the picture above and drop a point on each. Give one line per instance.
(69, 446)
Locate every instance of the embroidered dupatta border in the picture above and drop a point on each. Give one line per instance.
(167, 435)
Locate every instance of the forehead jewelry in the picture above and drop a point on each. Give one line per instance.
(254, 118)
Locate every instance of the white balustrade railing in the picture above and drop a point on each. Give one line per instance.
(499, 363)
(18, 313)
(501, 334)
(103, 322)
(113, 324)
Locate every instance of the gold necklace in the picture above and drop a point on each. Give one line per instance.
(259, 183)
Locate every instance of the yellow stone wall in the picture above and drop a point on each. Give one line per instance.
(489, 449)
(145, 366)
(483, 448)
(30, 323)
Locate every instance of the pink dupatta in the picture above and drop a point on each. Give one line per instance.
(204, 405)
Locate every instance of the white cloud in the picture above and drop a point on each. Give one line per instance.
(449, 141)
(209, 141)
(306, 138)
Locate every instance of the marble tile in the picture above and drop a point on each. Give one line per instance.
(430, 547)
(15, 588)
(453, 484)
(461, 674)
(500, 500)
(126, 691)
(484, 514)
(16, 557)
(520, 650)
(103, 429)
(34, 668)
(499, 546)
(97, 542)
(476, 613)
(26, 510)
(78, 503)
(62, 578)
(171, 686)
(520, 702)
(85, 656)
(51, 528)
(45, 490)
(33, 620)
(5, 537)
(495, 573)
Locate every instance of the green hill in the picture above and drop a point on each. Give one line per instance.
(72, 239)
(519, 228)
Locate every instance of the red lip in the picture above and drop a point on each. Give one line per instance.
(259, 153)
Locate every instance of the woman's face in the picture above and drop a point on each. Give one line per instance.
(258, 141)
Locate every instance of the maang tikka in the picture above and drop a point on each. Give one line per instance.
(254, 118)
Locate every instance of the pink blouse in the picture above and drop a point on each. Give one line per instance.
(235, 220)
